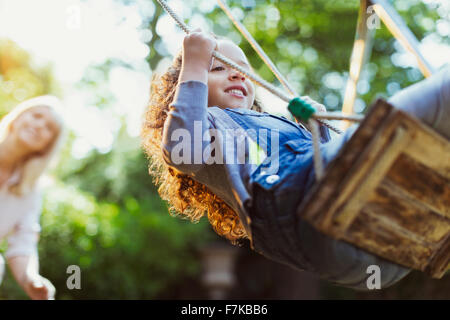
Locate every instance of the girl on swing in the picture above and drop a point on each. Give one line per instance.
(194, 106)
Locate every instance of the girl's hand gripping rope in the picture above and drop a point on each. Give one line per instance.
(198, 48)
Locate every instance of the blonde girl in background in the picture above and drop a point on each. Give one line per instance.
(29, 138)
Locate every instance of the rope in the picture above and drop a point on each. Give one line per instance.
(326, 115)
(174, 16)
(257, 48)
(319, 106)
(318, 165)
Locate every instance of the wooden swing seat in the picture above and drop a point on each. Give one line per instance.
(388, 192)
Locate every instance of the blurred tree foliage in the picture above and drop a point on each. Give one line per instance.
(103, 212)
(310, 41)
(19, 78)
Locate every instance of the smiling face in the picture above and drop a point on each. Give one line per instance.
(35, 129)
(227, 88)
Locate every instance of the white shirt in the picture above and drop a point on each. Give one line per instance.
(19, 220)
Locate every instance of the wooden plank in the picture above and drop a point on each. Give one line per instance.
(440, 260)
(362, 48)
(383, 194)
(421, 183)
(374, 166)
(429, 148)
(358, 174)
(376, 235)
(397, 229)
(316, 204)
(408, 215)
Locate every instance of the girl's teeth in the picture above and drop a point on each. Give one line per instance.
(236, 92)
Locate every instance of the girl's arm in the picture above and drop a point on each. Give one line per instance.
(197, 54)
(22, 253)
(26, 272)
(186, 130)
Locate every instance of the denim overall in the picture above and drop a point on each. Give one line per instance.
(278, 233)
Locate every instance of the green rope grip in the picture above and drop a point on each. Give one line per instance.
(301, 109)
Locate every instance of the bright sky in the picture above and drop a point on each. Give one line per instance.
(73, 34)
